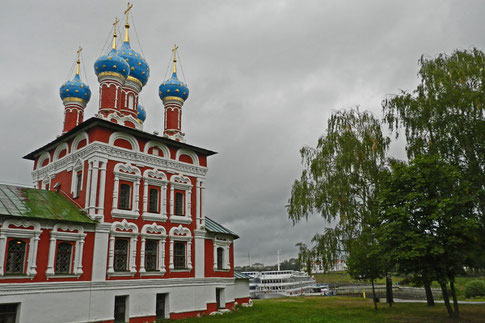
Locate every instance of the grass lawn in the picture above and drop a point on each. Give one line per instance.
(341, 309)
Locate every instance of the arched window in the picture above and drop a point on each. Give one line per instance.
(125, 191)
(131, 102)
(179, 255)
(79, 181)
(153, 201)
(220, 257)
(151, 253)
(179, 203)
(15, 257)
(121, 255)
(64, 258)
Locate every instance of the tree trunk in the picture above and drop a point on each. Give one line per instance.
(455, 301)
(374, 294)
(446, 299)
(389, 297)
(429, 293)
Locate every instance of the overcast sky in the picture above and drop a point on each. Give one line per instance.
(264, 76)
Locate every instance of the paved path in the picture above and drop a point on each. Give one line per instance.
(398, 300)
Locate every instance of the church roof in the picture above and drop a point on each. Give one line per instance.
(23, 202)
(240, 275)
(213, 226)
(92, 122)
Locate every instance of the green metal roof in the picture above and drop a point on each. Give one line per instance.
(213, 226)
(26, 202)
(240, 275)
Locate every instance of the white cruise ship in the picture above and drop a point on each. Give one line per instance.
(272, 284)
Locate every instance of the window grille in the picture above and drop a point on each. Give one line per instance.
(78, 183)
(120, 309)
(160, 306)
(220, 256)
(151, 249)
(121, 255)
(63, 258)
(179, 255)
(124, 203)
(153, 201)
(15, 257)
(179, 203)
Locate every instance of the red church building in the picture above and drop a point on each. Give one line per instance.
(114, 228)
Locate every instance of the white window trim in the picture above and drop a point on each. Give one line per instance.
(19, 232)
(78, 167)
(153, 232)
(129, 173)
(157, 178)
(225, 244)
(181, 182)
(124, 227)
(181, 234)
(68, 233)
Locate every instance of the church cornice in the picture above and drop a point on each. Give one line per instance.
(93, 122)
(108, 152)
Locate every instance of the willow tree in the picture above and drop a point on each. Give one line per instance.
(445, 116)
(340, 180)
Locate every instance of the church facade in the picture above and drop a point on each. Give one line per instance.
(114, 228)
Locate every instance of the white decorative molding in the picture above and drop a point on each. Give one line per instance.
(45, 156)
(123, 229)
(126, 172)
(77, 140)
(153, 232)
(124, 136)
(59, 149)
(122, 119)
(21, 229)
(67, 233)
(103, 150)
(181, 233)
(78, 167)
(225, 244)
(190, 153)
(162, 147)
(181, 182)
(157, 178)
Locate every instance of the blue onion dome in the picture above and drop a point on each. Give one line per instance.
(173, 88)
(141, 114)
(75, 90)
(139, 69)
(112, 64)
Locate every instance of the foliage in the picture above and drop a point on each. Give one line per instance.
(445, 115)
(475, 288)
(306, 257)
(366, 260)
(340, 180)
(427, 219)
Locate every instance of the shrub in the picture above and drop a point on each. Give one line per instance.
(475, 288)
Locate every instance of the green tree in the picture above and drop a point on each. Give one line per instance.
(445, 115)
(306, 258)
(340, 180)
(427, 221)
(366, 261)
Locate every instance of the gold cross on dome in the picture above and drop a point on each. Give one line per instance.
(116, 22)
(128, 10)
(78, 59)
(174, 50)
